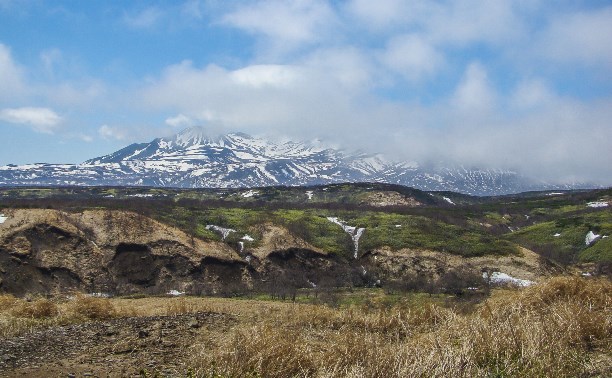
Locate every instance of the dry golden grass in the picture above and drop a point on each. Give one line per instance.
(37, 309)
(19, 316)
(180, 305)
(90, 308)
(560, 328)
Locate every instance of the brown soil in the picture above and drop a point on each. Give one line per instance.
(275, 238)
(121, 347)
(49, 251)
(527, 265)
(99, 251)
(388, 198)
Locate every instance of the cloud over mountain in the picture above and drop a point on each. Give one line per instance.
(508, 84)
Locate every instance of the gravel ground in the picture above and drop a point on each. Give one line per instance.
(123, 347)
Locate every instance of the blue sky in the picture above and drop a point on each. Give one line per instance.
(524, 85)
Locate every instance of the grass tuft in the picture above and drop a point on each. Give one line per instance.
(36, 309)
(91, 307)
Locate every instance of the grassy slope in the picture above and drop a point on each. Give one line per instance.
(572, 221)
(312, 225)
(477, 226)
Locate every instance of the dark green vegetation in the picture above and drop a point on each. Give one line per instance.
(312, 225)
(393, 216)
(570, 245)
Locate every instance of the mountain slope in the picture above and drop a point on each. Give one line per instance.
(193, 159)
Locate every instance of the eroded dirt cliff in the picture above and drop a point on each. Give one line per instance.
(118, 252)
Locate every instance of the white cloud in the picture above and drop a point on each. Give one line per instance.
(43, 120)
(274, 98)
(271, 75)
(412, 57)
(111, 132)
(16, 89)
(550, 143)
(179, 120)
(580, 37)
(386, 15)
(473, 21)
(285, 23)
(348, 66)
(144, 19)
(474, 94)
(11, 75)
(84, 95)
(531, 94)
(445, 22)
(85, 138)
(378, 14)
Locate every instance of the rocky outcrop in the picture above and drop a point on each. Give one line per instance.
(48, 251)
(388, 198)
(117, 252)
(275, 238)
(409, 263)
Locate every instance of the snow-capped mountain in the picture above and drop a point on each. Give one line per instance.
(193, 159)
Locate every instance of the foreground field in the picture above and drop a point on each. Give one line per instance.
(560, 327)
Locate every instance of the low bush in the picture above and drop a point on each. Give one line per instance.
(38, 308)
(91, 307)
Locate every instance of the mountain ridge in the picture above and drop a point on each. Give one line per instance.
(192, 158)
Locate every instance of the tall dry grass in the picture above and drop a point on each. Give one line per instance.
(561, 328)
(19, 316)
(90, 308)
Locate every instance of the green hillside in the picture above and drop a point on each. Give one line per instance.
(393, 216)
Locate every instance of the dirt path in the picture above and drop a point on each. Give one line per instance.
(121, 347)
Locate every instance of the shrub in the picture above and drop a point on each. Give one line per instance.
(92, 308)
(6, 302)
(37, 309)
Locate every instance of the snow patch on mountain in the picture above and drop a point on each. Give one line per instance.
(250, 193)
(499, 278)
(590, 238)
(354, 232)
(448, 200)
(597, 204)
(221, 230)
(192, 158)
